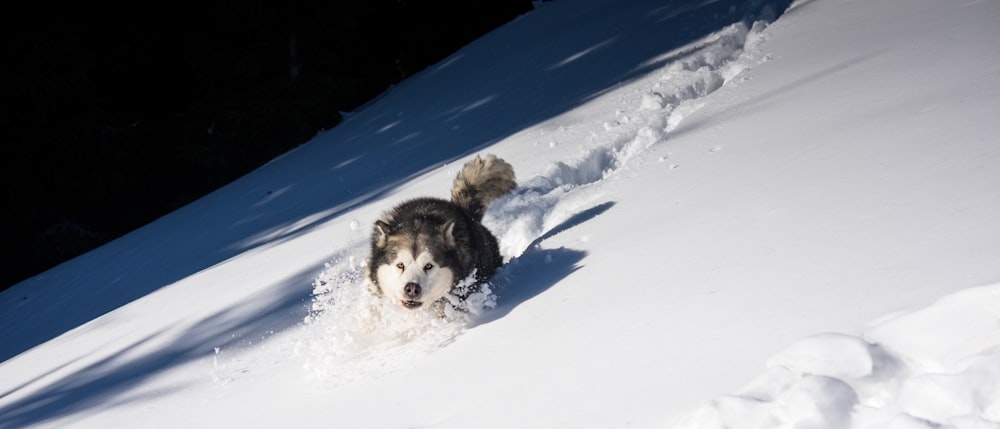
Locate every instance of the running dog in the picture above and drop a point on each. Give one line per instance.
(422, 249)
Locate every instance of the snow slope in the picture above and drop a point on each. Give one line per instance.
(719, 223)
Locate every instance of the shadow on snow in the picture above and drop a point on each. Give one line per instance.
(106, 382)
(537, 269)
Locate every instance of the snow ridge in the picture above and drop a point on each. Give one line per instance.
(885, 379)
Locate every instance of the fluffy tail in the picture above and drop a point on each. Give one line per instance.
(481, 181)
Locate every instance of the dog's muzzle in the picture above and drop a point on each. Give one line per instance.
(412, 291)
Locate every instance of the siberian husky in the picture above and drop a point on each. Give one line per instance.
(425, 248)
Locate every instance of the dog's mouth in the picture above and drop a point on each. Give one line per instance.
(412, 304)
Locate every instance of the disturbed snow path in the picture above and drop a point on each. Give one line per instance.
(353, 336)
(548, 200)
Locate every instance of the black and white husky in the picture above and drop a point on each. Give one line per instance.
(424, 248)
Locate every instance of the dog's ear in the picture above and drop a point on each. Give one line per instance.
(381, 233)
(454, 235)
(448, 232)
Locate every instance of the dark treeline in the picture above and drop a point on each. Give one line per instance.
(116, 114)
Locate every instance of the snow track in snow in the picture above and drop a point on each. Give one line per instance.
(566, 188)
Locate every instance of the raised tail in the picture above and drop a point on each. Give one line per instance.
(481, 181)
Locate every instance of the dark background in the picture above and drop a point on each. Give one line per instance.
(114, 114)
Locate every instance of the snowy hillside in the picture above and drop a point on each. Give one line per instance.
(730, 214)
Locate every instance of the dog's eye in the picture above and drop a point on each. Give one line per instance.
(401, 266)
(428, 267)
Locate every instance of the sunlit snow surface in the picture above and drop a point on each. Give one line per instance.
(719, 223)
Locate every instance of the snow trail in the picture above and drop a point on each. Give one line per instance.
(565, 188)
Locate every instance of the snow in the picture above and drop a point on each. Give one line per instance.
(946, 376)
(721, 222)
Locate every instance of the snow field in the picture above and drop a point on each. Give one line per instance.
(849, 178)
(352, 335)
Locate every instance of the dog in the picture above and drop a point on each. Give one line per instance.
(425, 248)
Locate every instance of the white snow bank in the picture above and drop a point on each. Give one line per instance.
(887, 378)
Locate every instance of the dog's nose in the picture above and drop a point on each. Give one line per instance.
(412, 290)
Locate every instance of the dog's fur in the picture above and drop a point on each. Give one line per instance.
(423, 248)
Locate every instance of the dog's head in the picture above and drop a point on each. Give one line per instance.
(410, 263)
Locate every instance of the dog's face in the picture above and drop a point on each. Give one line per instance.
(410, 268)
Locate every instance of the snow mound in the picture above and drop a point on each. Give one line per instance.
(834, 355)
(945, 378)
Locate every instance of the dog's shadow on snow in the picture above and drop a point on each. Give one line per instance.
(537, 269)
